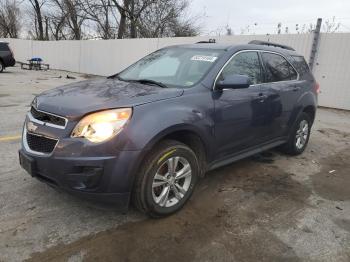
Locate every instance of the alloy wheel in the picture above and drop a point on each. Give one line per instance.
(302, 134)
(171, 181)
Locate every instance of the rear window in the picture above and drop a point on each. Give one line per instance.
(300, 64)
(4, 47)
(278, 68)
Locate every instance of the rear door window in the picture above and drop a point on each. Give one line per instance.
(277, 68)
(245, 63)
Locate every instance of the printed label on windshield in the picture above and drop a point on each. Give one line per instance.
(204, 58)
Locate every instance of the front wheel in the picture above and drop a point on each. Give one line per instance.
(166, 180)
(299, 137)
(2, 67)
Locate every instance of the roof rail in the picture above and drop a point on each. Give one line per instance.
(211, 41)
(258, 42)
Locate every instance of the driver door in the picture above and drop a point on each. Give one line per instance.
(239, 112)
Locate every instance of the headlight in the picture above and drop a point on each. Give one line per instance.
(100, 126)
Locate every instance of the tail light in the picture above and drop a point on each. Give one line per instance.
(317, 88)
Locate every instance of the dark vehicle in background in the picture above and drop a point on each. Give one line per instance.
(147, 134)
(6, 56)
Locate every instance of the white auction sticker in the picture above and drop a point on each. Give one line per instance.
(204, 58)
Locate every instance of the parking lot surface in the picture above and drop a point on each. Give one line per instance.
(270, 207)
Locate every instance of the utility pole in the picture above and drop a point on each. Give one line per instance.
(315, 41)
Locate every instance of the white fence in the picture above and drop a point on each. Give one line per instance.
(105, 57)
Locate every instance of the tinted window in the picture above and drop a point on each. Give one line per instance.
(300, 64)
(246, 63)
(3, 47)
(277, 68)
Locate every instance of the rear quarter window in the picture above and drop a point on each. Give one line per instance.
(300, 64)
(4, 47)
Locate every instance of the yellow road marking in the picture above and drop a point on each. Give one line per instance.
(9, 138)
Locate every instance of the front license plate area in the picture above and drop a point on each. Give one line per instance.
(27, 163)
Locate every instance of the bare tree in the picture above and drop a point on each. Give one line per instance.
(57, 24)
(331, 26)
(9, 22)
(107, 19)
(123, 9)
(37, 6)
(103, 15)
(73, 15)
(166, 19)
(279, 28)
(130, 12)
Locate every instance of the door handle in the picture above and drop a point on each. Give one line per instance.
(262, 97)
(296, 88)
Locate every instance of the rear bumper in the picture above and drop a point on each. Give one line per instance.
(102, 179)
(9, 62)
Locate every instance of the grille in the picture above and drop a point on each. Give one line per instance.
(40, 143)
(47, 118)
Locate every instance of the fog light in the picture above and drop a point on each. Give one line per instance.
(86, 179)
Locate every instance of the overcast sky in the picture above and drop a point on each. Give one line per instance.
(263, 16)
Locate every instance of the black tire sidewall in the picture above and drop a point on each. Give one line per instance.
(2, 67)
(176, 150)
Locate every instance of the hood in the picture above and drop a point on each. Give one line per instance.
(79, 98)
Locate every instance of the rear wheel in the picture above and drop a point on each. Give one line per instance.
(166, 180)
(299, 136)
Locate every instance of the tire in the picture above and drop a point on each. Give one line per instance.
(298, 139)
(2, 67)
(150, 191)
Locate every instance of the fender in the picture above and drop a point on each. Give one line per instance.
(151, 122)
(305, 100)
(179, 127)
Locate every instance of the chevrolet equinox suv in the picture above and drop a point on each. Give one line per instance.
(147, 134)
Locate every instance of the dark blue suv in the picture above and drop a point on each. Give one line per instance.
(147, 134)
(6, 56)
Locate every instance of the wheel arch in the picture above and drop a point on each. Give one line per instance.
(187, 135)
(311, 111)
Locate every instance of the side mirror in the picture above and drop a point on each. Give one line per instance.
(234, 82)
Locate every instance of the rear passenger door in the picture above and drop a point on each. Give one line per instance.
(282, 91)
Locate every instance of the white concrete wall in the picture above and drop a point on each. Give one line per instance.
(332, 70)
(105, 57)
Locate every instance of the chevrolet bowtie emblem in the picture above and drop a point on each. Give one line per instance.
(31, 127)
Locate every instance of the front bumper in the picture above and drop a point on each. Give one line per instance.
(104, 179)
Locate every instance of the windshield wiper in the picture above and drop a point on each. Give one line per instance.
(142, 81)
(115, 76)
(149, 81)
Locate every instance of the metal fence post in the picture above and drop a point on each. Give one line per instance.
(315, 42)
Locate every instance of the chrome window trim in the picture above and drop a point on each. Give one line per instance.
(27, 148)
(31, 117)
(257, 51)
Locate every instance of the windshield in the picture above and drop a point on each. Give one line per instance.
(181, 67)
